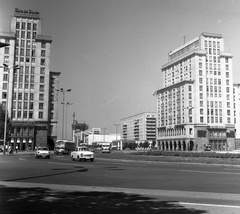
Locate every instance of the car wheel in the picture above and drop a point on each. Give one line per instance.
(92, 159)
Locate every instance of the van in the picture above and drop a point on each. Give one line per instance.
(105, 149)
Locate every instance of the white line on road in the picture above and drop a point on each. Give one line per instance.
(209, 205)
(208, 172)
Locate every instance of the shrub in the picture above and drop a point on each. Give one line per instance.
(187, 154)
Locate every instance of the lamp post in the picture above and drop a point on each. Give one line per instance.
(6, 106)
(67, 104)
(63, 102)
(189, 108)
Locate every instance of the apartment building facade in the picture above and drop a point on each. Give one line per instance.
(30, 89)
(139, 128)
(195, 107)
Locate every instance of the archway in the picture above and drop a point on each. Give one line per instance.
(184, 146)
(191, 146)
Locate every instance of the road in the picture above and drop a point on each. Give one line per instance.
(120, 186)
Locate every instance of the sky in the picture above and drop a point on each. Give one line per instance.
(110, 52)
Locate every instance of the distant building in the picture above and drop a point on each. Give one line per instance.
(32, 98)
(139, 128)
(195, 107)
(87, 137)
(96, 131)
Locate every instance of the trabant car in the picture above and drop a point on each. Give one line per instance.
(82, 153)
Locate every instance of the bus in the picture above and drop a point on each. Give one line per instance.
(64, 147)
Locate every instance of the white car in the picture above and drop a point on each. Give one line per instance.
(82, 153)
(42, 152)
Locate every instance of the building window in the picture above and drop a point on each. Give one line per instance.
(43, 45)
(25, 105)
(29, 26)
(34, 34)
(30, 114)
(31, 96)
(41, 96)
(42, 61)
(34, 26)
(40, 105)
(40, 115)
(25, 96)
(43, 53)
(18, 25)
(31, 105)
(42, 70)
(41, 88)
(19, 105)
(5, 77)
(4, 87)
(32, 70)
(6, 59)
(19, 114)
(6, 50)
(42, 79)
(32, 79)
(4, 95)
(24, 114)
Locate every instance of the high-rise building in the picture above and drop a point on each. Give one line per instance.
(28, 91)
(139, 128)
(195, 107)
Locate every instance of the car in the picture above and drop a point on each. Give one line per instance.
(82, 153)
(42, 152)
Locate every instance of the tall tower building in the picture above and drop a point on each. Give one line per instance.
(29, 91)
(195, 107)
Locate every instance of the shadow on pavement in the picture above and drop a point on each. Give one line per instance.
(44, 200)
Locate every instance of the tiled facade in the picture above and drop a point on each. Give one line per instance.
(195, 106)
(32, 98)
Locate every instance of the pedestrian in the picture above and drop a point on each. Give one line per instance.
(16, 149)
(10, 151)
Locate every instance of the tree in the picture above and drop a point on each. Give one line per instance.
(145, 144)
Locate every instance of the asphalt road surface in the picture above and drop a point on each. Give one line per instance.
(60, 185)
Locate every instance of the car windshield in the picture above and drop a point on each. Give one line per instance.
(84, 149)
(45, 149)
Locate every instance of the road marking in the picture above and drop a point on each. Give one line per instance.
(208, 172)
(209, 205)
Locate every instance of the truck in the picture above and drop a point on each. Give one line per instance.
(82, 153)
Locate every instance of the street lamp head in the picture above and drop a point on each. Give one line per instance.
(68, 90)
(68, 103)
(5, 65)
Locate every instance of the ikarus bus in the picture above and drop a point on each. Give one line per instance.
(64, 147)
